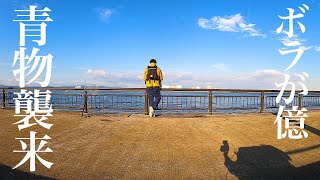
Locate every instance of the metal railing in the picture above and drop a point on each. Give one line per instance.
(210, 101)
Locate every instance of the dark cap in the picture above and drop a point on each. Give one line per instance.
(153, 61)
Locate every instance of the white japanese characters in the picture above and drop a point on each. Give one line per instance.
(41, 108)
(44, 62)
(31, 153)
(35, 27)
(293, 124)
(33, 106)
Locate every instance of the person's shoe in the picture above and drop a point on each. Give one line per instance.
(151, 111)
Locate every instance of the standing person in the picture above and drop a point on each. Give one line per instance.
(153, 78)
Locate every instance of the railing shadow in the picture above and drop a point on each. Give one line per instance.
(8, 173)
(307, 127)
(266, 162)
(310, 128)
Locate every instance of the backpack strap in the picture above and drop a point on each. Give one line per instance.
(149, 67)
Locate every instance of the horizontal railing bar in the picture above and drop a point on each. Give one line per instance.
(134, 95)
(184, 109)
(183, 96)
(233, 95)
(135, 99)
(235, 108)
(67, 94)
(112, 108)
(143, 89)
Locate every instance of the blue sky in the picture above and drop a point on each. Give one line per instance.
(217, 43)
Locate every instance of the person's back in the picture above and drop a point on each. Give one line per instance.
(153, 79)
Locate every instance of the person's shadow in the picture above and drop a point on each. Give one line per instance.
(8, 173)
(266, 162)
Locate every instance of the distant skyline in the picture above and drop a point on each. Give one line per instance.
(217, 43)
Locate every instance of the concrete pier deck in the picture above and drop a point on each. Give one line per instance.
(192, 146)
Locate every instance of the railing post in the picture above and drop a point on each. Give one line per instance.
(300, 101)
(3, 99)
(85, 106)
(262, 102)
(210, 102)
(146, 104)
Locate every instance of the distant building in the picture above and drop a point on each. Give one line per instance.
(78, 87)
(195, 87)
(179, 86)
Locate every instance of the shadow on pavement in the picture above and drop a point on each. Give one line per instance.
(266, 162)
(7, 173)
(310, 128)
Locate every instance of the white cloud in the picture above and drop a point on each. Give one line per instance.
(260, 79)
(12, 81)
(306, 48)
(102, 77)
(317, 48)
(234, 23)
(104, 14)
(295, 37)
(220, 67)
(181, 75)
(295, 41)
(266, 76)
(96, 73)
